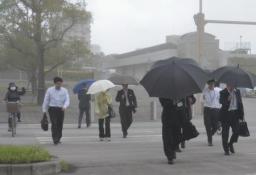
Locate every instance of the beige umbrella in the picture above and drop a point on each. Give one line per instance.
(100, 86)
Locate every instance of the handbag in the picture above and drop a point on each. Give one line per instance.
(44, 123)
(243, 129)
(111, 112)
(189, 131)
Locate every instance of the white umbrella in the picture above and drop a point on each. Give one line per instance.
(99, 86)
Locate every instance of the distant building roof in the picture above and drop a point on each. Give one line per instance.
(146, 50)
(194, 33)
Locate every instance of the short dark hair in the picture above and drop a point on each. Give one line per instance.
(211, 81)
(57, 79)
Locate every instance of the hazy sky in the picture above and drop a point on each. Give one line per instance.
(124, 25)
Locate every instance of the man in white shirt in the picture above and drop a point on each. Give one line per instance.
(212, 106)
(56, 101)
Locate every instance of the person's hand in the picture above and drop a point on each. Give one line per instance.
(190, 100)
(240, 120)
(134, 110)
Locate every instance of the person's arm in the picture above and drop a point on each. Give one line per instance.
(134, 99)
(193, 100)
(67, 100)
(22, 92)
(118, 96)
(46, 101)
(241, 106)
(222, 99)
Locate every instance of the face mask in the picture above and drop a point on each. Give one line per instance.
(13, 88)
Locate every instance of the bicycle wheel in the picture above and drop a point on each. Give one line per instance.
(13, 125)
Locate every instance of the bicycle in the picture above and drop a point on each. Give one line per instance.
(12, 108)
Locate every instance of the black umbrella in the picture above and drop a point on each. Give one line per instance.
(174, 78)
(119, 79)
(235, 76)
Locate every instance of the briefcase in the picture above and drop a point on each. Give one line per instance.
(44, 123)
(189, 131)
(243, 129)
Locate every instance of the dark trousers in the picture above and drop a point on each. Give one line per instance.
(87, 116)
(125, 118)
(233, 122)
(171, 134)
(211, 116)
(57, 117)
(104, 132)
(18, 115)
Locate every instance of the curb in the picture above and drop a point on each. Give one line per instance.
(42, 168)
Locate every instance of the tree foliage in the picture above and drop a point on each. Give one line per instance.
(33, 35)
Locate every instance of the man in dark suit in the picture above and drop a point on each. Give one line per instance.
(128, 105)
(171, 127)
(187, 113)
(84, 107)
(230, 113)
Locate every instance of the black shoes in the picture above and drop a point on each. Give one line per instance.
(226, 153)
(178, 150)
(125, 135)
(56, 143)
(210, 144)
(231, 148)
(170, 161)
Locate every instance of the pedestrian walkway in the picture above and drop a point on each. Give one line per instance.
(141, 153)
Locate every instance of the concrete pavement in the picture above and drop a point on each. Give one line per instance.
(141, 153)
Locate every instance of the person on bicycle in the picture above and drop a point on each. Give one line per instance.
(13, 95)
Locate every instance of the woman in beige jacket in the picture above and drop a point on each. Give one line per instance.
(102, 101)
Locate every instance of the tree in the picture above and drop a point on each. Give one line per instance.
(36, 29)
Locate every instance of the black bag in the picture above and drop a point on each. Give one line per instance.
(44, 123)
(189, 131)
(111, 112)
(243, 129)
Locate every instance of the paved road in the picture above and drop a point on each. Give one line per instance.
(141, 153)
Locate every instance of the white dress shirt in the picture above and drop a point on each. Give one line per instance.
(56, 98)
(126, 97)
(233, 101)
(211, 98)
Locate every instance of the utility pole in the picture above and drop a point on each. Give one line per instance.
(200, 23)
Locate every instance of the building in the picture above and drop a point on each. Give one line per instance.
(136, 63)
